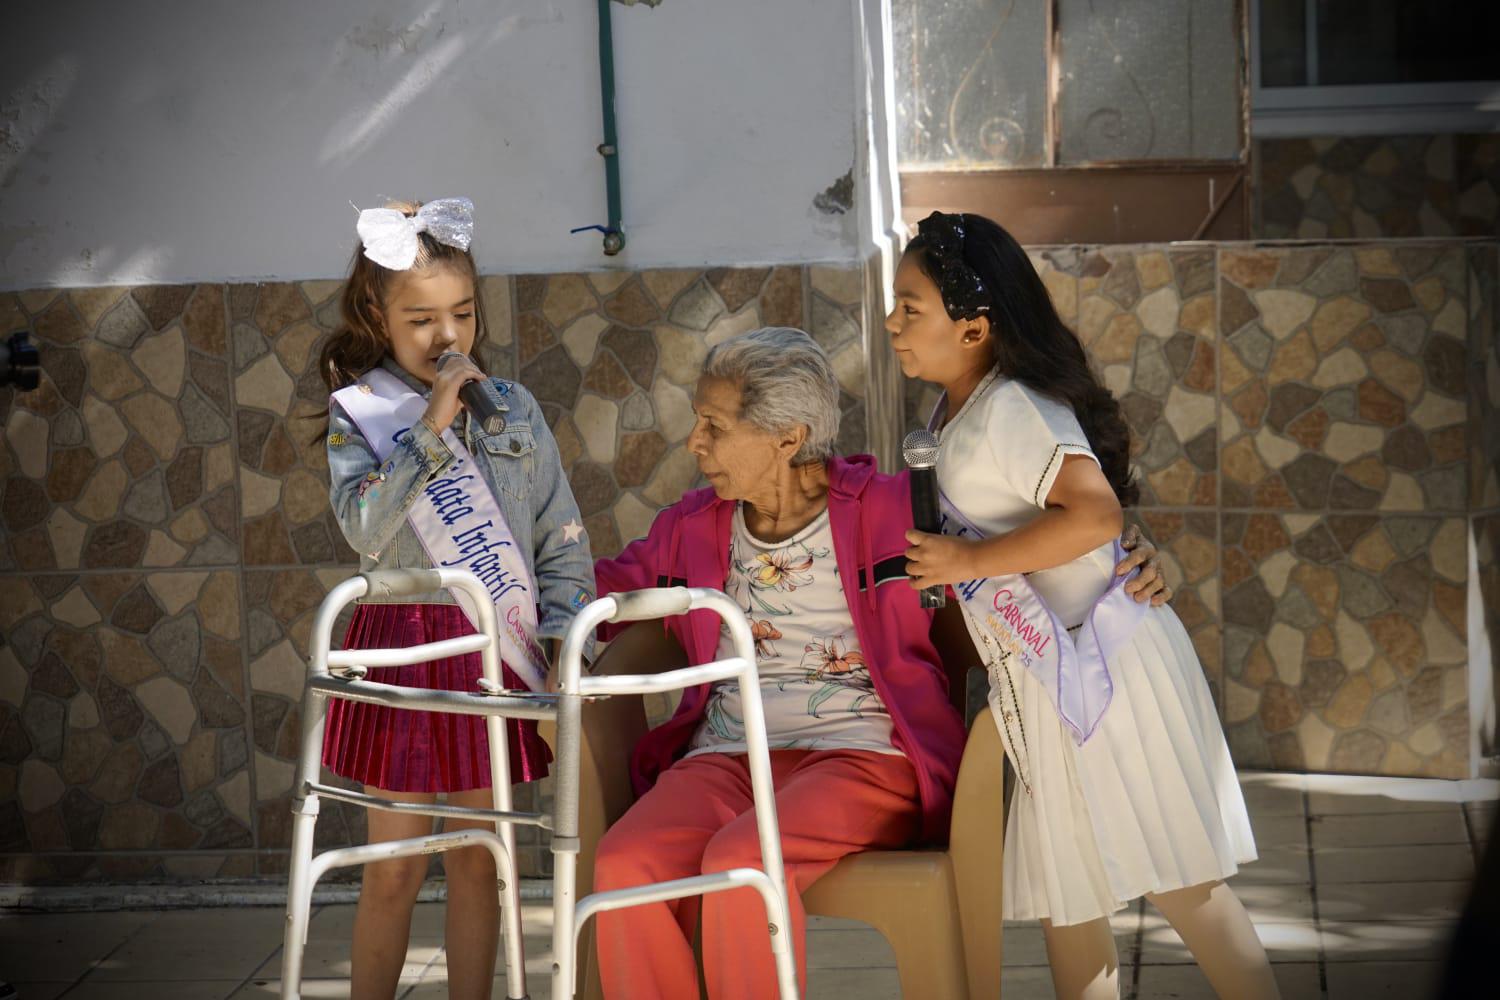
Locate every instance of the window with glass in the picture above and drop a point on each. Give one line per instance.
(1375, 66)
(1006, 84)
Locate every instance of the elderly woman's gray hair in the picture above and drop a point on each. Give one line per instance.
(785, 380)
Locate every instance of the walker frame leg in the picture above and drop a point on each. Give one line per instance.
(507, 883)
(569, 912)
(305, 805)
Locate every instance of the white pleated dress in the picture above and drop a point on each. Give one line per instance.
(1150, 802)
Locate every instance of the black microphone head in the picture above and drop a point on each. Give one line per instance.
(920, 449)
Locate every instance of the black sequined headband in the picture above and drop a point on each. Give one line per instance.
(964, 293)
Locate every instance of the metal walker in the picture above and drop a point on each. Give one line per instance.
(497, 704)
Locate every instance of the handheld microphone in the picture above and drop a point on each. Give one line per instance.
(920, 449)
(478, 402)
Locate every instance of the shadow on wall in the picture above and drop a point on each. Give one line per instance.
(48, 98)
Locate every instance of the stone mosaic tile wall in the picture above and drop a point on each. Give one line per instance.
(1316, 432)
(126, 700)
(1148, 321)
(1345, 379)
(1378, 187)
(1345, 454)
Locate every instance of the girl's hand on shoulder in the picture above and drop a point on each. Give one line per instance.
(443, 405)
(934, 560)
(1150, 585)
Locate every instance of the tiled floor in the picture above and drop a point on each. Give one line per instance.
(1358, 886)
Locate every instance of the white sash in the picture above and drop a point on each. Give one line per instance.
(1075, 674)
(457, 519)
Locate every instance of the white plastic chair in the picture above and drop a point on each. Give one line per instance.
(570, 914)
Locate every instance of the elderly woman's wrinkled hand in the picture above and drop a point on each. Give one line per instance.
(1149, 584)
(938, 560)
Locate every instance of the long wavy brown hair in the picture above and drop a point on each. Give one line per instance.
(360, 340)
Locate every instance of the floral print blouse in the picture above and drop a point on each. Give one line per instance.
(814, 681)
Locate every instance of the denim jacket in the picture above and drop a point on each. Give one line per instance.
(523, 469)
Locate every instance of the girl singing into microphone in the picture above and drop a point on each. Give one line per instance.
(1126, 784)
(416, 482)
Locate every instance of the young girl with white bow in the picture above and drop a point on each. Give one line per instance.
(415, 481)
(1126, 784)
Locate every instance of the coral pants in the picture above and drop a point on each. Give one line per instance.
(698, 819)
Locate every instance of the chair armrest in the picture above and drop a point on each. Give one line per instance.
(975, 848)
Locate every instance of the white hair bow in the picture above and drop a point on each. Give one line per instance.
(390, 238)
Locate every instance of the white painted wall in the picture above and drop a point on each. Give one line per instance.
(191, 140)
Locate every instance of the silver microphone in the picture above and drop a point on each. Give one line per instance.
(920, 449)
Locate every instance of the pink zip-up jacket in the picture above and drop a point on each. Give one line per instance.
(688, 545)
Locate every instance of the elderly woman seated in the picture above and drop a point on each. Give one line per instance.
(865, 742)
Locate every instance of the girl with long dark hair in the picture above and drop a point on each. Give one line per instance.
(1126, 784)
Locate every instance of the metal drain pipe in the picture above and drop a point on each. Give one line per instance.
(614, 234)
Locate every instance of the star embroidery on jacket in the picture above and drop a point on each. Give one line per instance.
(572, 531)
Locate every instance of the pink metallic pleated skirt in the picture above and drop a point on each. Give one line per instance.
(404, 750)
